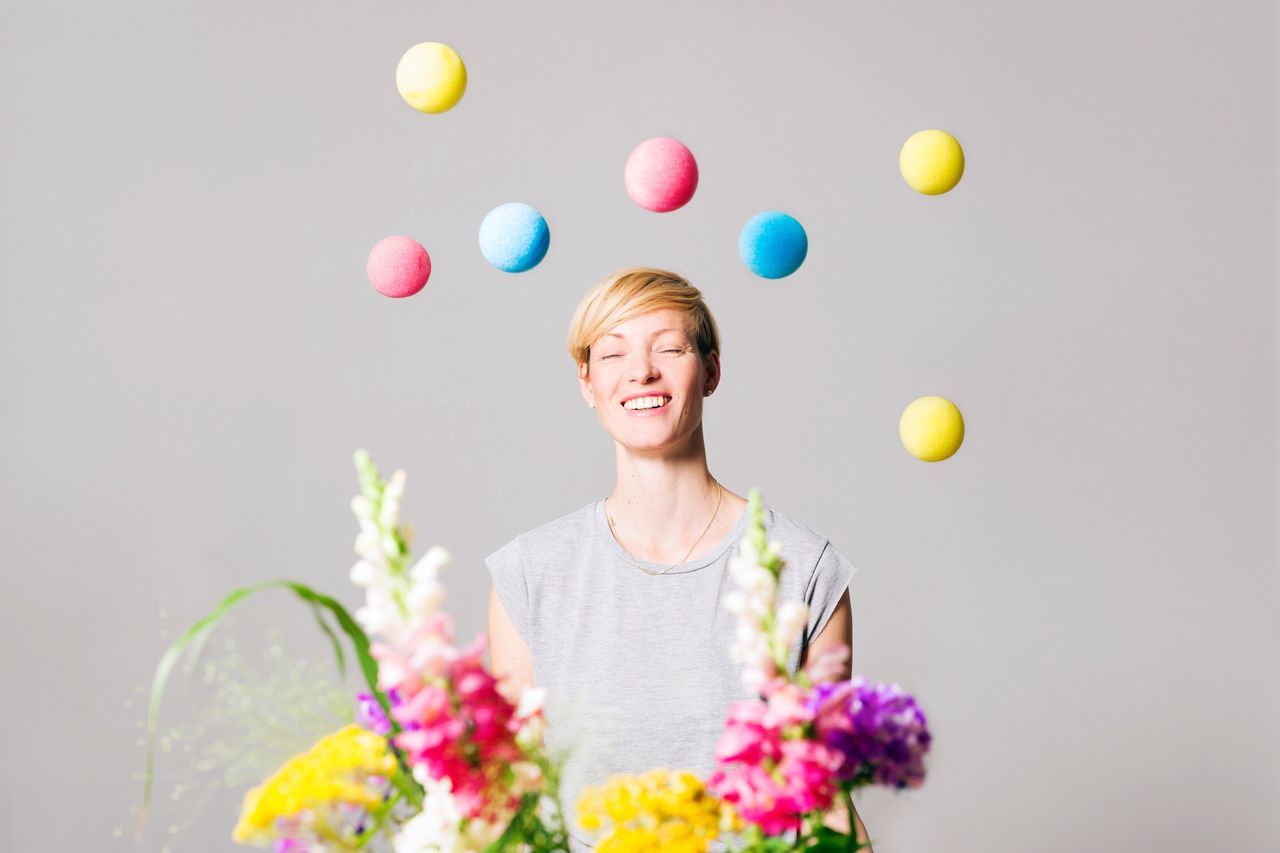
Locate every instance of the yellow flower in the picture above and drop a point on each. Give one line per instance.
(658, 810)
(335, 770)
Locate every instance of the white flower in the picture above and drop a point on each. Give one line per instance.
(754, 679)
(760, 579)
(389, 514)
(372, 620)
(531, 700)
(792, 618)
(431, 563)
(425, 599)
(380, 614)
(435, 828)
(532, 724)
(395, 486)
(369, 545)
(366, 574)
(363, 509)
(736, 602)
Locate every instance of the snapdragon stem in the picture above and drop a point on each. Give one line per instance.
(383, 813)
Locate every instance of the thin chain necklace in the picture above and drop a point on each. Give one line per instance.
(613, 525)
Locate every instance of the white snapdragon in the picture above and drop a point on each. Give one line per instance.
(764, 631)
(397, 602)
(380, 614)
(435, 829)
(792, 618)
(366, 574)
(528, 712)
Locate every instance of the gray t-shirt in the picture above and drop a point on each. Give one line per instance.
(637, 667)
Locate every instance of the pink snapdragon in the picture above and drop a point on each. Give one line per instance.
(768, 768)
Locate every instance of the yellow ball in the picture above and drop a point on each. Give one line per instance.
(931, 161)
(931, 428)
(431, 77)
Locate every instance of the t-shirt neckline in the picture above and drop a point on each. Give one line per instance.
(731, 538)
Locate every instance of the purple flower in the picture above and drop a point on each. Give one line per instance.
(878, 729)
(369, 714)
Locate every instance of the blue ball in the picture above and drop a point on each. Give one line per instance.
(773, 244)
(514, 237)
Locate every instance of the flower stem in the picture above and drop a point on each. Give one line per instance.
(853, 820)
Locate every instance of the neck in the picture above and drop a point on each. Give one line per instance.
(663, 500)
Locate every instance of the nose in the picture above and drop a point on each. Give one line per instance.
(643, 367)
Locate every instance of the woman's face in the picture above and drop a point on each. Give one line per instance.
(647, 380)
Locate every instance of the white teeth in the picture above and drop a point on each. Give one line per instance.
(646, 402)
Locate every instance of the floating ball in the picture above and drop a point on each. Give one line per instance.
(773, 244)
(661, 174)
(398, 266)
(431, 77)
(514, 237)
(931, 428)
(931, 161)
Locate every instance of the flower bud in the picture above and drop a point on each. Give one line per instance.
(429, 565)
(395, 486)
(389, 514)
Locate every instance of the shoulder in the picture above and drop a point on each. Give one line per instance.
(554, 535)
(796, 538)
(810, 552)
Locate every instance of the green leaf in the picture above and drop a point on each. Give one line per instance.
(333, 638)
(829, 840)
(198, 633)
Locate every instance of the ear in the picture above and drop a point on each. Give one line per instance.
(713, 372)
(584, 385)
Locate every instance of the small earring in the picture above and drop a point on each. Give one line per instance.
(706, 393)
(591, 405)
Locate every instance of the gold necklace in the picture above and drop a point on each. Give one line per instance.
(613, 525)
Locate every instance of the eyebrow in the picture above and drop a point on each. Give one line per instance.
(655, 334)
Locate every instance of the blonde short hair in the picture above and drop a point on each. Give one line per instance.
(631, 292)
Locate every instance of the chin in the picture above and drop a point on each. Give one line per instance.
(641, 443)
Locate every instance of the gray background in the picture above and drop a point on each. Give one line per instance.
(1084, 598)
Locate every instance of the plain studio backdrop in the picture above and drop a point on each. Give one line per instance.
(1084, 599)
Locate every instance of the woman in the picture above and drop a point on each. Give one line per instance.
(617, 609)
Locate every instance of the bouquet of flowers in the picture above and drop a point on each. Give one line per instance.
(441, 756)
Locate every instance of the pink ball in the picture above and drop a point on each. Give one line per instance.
(398, 266)
(661, 174)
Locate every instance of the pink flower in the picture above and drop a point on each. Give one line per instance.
(458, 726)
(769, 768)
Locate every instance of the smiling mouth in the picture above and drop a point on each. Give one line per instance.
(640, 404)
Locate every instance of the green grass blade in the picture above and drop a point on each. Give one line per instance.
(333, 639)
(199, 632)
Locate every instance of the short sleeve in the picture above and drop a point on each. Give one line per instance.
(827, 584)
(507, 566)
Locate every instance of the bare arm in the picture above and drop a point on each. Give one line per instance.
(509, 658)
(839, 631)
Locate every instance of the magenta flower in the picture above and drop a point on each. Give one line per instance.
(769, 769)
(458, 726)
(879, 731)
